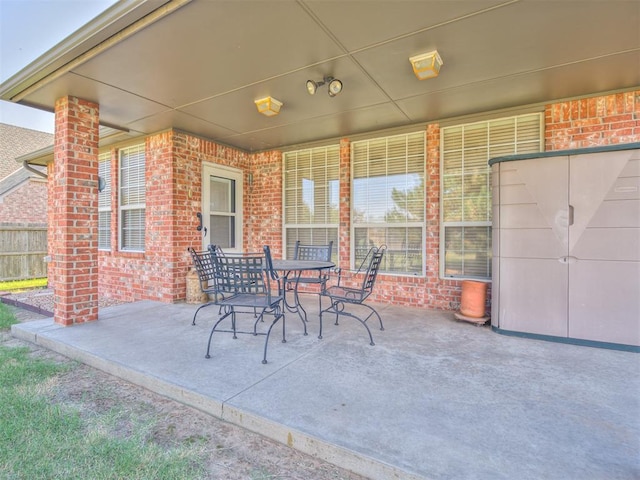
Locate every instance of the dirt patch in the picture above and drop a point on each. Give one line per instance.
(231, 452)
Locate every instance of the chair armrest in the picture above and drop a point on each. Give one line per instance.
(343, 276)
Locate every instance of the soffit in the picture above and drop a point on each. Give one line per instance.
(200, 68)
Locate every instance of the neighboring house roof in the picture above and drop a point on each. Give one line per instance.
(198, 66)
(15, 142)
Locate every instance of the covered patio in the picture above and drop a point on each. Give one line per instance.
(156, 101)
(433, 399)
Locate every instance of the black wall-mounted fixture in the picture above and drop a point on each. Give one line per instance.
(200, 227)
(334, 86)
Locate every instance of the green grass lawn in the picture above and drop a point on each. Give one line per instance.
(16, 285)
(40, 439)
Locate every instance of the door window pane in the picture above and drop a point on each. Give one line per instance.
(222, 207)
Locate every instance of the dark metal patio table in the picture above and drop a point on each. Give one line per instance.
(291, 272)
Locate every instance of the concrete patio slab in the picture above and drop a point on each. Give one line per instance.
(435, 398)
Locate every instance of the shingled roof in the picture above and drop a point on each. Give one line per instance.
(17, 141)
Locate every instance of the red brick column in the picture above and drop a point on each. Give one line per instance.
(344, 209)
(73, 212)
(263, 201)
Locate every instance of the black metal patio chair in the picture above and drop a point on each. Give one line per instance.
(320, 253)
(247, 280)
(355, 292)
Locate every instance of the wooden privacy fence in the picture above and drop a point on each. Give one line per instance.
(22, 252)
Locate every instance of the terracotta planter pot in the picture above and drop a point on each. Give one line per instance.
(474, 298)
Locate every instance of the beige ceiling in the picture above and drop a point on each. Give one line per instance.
(199, 65)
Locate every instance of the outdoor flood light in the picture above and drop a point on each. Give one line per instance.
(334, 86)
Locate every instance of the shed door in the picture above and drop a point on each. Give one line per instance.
(604, 244)
(533, 230)
(222, 207)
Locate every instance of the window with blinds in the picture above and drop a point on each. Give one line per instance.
(132, 198)
(104, 202)
(311, 197)
(388, 201)
(465, 237)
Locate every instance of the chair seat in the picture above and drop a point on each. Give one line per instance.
(354, 295)
(250, 300)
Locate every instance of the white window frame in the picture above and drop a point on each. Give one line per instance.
(225, 173)
(311, 227)
(136, 191)
(524, 139)
(104, 202)
(374, 161)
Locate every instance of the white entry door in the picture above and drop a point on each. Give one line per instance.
(222, 207)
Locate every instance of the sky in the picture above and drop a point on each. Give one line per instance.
(28, 29)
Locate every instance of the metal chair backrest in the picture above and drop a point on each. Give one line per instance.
(313, 252)
(370, 276)
(244, 273)
(203, 263)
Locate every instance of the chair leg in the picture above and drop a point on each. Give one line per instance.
(333, 308)
(373, 312)
(284, 338)
(259, 318)
(363, 322)
(321, 312)
(200, 308)
(266, 341)
(233, 324)
(338, 307)
(214, 329)
(301, 311)
(297, 307)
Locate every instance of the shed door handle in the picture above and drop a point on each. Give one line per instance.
(570, 215)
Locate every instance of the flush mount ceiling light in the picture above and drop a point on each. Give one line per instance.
(426, 65)
(268, 106)
(335, 86)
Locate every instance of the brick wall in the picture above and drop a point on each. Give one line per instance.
(26, 204)
(175, 158)
(263, 203)
(594, 121)
(173, 197)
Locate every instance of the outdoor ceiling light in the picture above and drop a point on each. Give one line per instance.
(426, 65)
(268, 106)
(334, 88)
